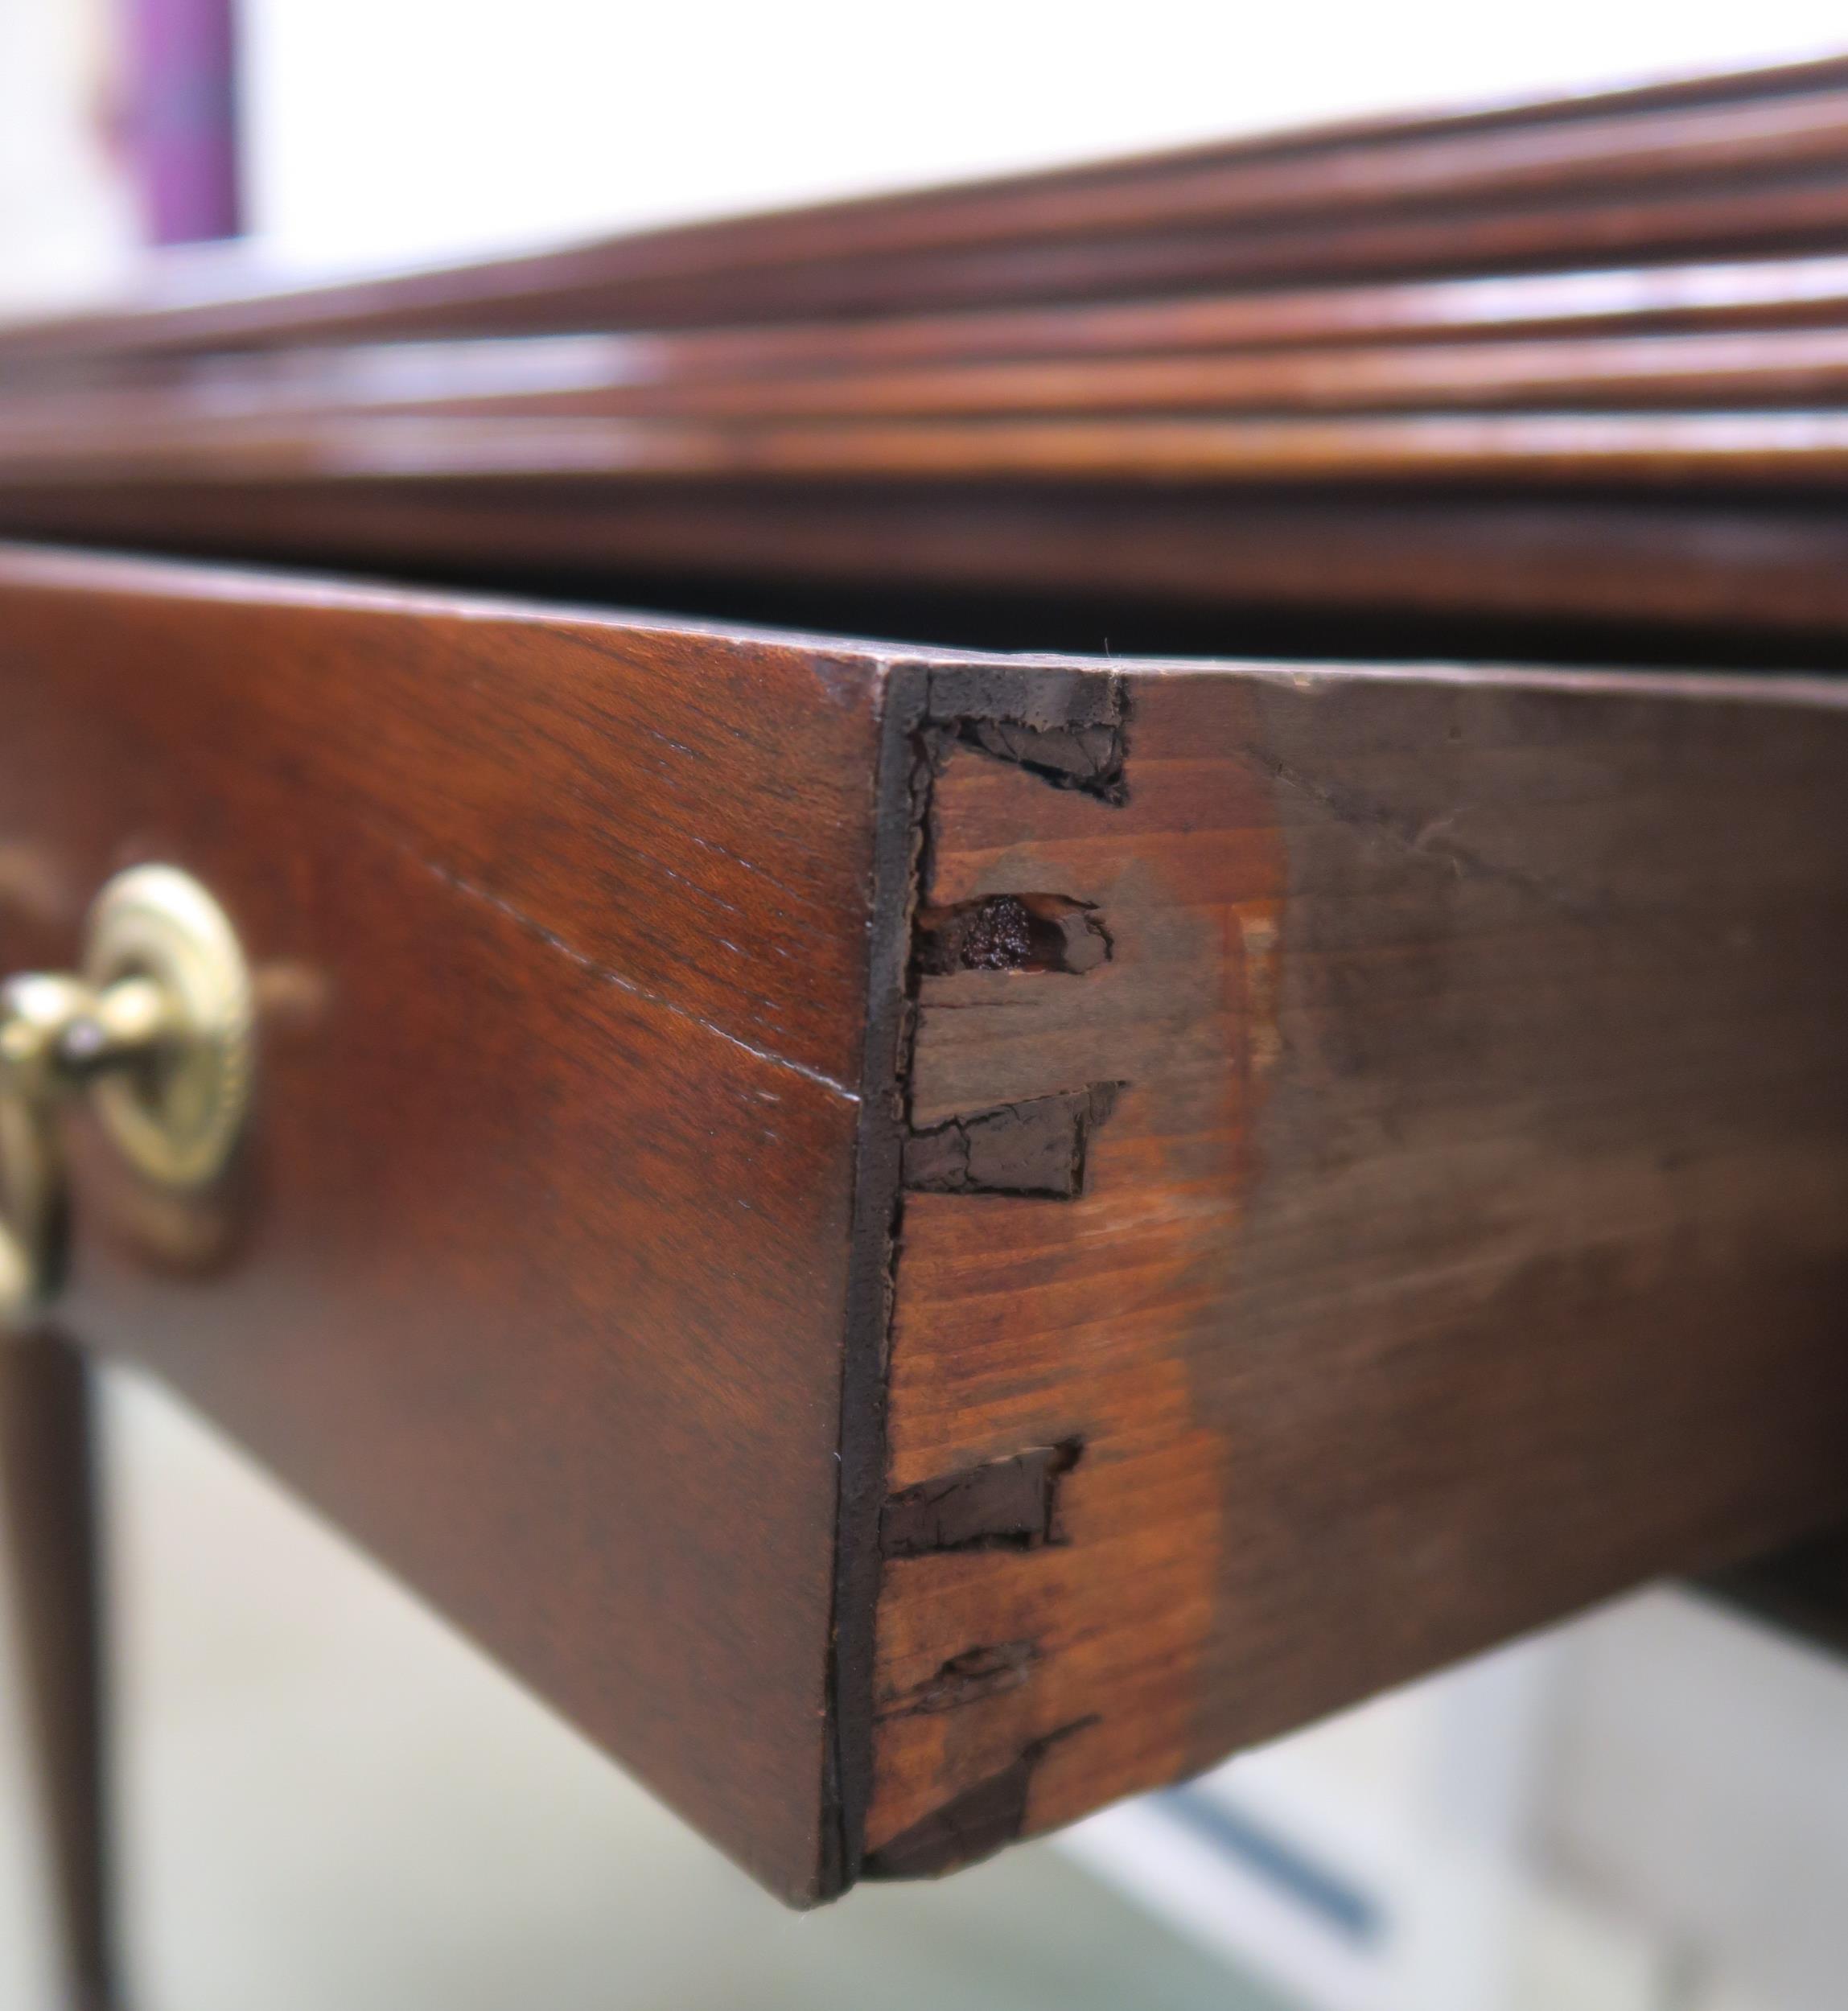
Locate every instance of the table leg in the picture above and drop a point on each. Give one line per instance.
(49, 1517)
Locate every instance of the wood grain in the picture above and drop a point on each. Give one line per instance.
(535, 1274)
(1759, 294)
(1464, 1241)
(1804, 450)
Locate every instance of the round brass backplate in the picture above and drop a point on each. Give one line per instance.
(176, 1114)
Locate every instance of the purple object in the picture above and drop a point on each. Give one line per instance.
(183, 118)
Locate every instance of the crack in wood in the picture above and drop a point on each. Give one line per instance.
(966, 1679)
(1427, 840)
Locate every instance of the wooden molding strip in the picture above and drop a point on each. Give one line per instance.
(1708, 165)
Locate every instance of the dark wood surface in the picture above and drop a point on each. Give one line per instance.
(1802, 1588)
(1739, 581)
(51, 1567)
(534, 1275)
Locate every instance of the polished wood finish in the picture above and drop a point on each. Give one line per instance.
(535, 1276)
(1734, 581)
(1762, 293)
(50, 1530)
(1378, 370)
(1806, 448)
(256, 403)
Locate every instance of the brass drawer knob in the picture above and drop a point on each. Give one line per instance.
(156, 1034)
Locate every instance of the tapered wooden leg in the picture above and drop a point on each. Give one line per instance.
(48, 1523)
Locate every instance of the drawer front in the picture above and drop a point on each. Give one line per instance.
(531, 1271)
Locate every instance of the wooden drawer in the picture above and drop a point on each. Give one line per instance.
(919, 1241)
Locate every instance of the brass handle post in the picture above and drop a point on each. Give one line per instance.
(156, 1033)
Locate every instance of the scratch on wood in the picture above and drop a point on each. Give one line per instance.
(1035, 1148)
(1003, 1504)
(470, 891)
(1424, 839)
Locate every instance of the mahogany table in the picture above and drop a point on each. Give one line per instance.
(923, 1237)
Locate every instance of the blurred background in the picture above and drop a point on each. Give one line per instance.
(326, 1799)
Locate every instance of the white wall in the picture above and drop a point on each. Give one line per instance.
(66, 218)
(397, 127)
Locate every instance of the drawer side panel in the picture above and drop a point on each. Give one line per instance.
(1378, 1183)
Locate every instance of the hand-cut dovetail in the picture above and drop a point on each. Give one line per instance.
(1036, 1148)
(1088, 758)
(975, 1825)
(1003, 1504)
(1066, 726)
(1012, 932)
